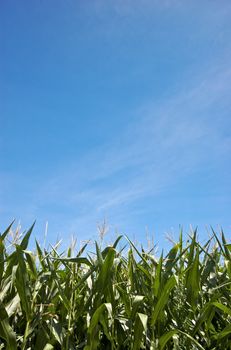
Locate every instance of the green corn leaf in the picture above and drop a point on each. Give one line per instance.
(163, 299)
(22, 283)
(170, 258)
(140, 329)
(93, 330)
(117, 241)
(192, 339)
(2, 250)
(224, 333)
(106, 268)
(48, 347)
(30, 258)
(166, 337)
(99, 254)
(6, 332)
(228, 246)
(193, 280)
(13, 305)
(157, 278)
(26, 238)
(137, 302)
(222, 307)
(5, 233)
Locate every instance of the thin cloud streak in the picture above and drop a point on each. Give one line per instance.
(167, 143)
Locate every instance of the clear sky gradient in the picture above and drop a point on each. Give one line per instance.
(117, 110)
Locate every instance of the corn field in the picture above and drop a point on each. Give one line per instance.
(116, 297)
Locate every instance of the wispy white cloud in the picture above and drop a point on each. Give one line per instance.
(167, 142)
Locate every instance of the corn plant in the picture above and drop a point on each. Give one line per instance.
(116, 297)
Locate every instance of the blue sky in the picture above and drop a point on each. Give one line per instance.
(115, 110)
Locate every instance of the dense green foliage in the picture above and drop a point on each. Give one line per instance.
(115, 298)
